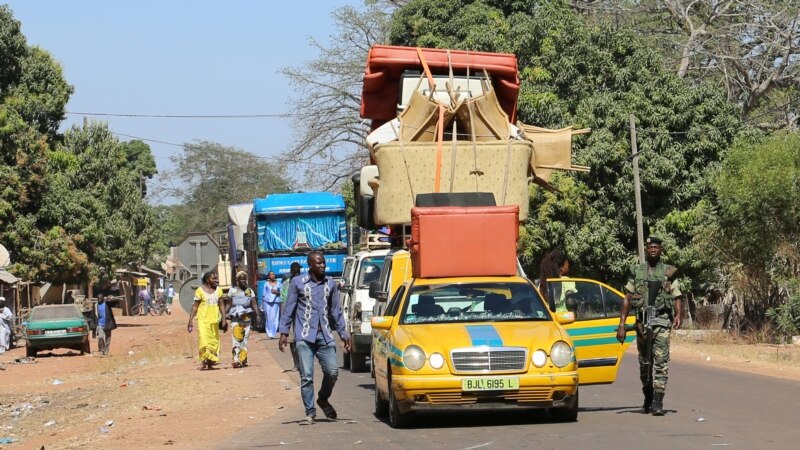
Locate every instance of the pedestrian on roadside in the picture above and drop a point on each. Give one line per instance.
(170, 296)
(294, 270)
(271, 305)
(145, 298)
(209, 307)
(6, 318)
(316, 297)
(243, 313)
(105, 324)
(657, 301)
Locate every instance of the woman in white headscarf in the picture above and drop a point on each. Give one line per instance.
(243, 313)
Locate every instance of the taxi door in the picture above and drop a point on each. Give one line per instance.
(597, 309)
(381, 345)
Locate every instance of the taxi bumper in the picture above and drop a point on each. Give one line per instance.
(429, 393)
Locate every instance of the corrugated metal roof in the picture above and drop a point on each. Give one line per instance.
(7, 277)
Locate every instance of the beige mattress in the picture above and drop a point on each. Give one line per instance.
(499, 167)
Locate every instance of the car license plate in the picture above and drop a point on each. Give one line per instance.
(55, 332)
(490, 383)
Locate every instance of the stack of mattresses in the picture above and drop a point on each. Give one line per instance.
(457, 146)
(480, 156)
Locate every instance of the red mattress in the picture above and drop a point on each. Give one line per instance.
(453, 241)
(385, 65)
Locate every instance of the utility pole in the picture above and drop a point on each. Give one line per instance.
(637, 192)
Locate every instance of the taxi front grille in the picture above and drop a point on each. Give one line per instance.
(525, 395)
(489, 360)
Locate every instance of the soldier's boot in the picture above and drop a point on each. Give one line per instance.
(658, 404)
(648, 399)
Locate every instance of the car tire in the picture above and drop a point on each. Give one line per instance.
(397, 419)
(371, 366)
(358, 362)
(30, 352)
(381, 405)
(86, 348)
(346, 361)
(567, 414)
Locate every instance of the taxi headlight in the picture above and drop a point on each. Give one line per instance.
(539, 358)
(436, 360)
(561, 354)
(413, 357)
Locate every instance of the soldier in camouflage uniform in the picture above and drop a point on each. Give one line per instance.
(658, 303)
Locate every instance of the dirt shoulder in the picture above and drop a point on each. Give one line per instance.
(147, 393)
(720, 350)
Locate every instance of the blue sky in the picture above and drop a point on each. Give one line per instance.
(181, 57)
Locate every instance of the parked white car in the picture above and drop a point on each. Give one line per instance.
(359, 271)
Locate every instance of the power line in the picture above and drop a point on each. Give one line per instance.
(187, 116)
(265, 158)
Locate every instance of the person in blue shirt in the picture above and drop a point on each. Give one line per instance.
(312, 308)
(271, 305)
(105, 324)
(145, 298)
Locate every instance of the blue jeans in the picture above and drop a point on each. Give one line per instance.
(326, 354)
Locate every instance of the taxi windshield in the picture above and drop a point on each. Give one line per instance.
(473, 302)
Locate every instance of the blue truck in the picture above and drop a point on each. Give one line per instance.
(287, 227)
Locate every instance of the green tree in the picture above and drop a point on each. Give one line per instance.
(751, 47)
(94, 195)
(212, 177)
(33, 94)
(593, 75)
(753, 226)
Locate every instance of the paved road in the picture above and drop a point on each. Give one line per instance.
(707, 408)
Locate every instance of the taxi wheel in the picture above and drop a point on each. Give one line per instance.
(358, 362)
(371, 366)
(568, 414)
(30, 352)
(396, 418)
(85, 348)
(381, 405)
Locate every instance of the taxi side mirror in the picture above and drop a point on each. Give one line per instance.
(565, 317)
(381, 322)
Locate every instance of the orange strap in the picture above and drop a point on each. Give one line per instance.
(439, 126)
(439, 148)
(431, 83)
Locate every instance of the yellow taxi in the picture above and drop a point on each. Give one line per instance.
(484, 343)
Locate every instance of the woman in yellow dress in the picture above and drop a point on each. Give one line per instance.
(208, 307)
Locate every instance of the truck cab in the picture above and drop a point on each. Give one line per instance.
(360, 270)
